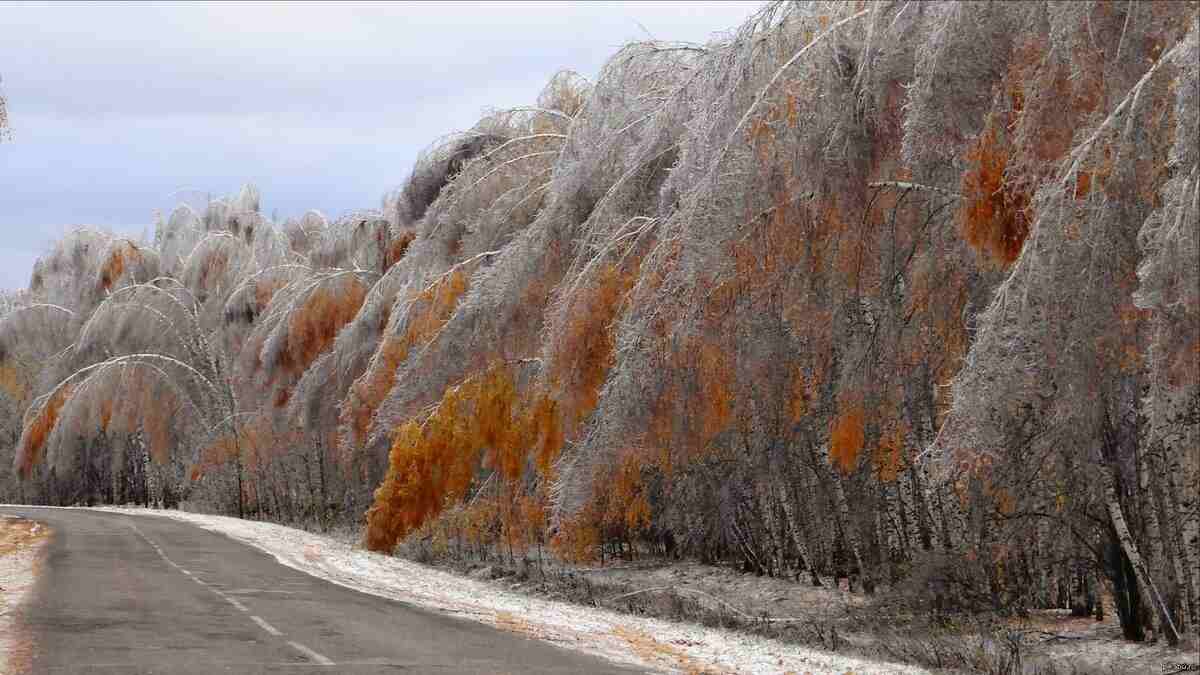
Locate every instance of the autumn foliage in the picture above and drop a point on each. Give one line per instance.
(995, 220)
(903, 292)
(37, 431)
(312, 328)
(432, 463)
(425, 315)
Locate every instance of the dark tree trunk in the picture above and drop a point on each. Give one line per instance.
(1126, 597)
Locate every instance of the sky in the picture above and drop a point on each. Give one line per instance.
(120, 110)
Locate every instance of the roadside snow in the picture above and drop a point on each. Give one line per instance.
(21, 542)
(646, 643)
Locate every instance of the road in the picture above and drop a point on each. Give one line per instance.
(139, 594)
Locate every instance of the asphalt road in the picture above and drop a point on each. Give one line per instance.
(139, 594)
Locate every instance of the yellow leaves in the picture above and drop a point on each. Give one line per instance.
(14, 382)
(846, 438)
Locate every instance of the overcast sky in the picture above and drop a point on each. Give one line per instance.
(116, 109)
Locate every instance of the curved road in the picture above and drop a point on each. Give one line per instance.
(139, 594)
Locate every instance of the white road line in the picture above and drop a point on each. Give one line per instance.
(312, 656)
(234, 602)
(265, 626)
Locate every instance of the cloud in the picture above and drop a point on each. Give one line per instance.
(116, 107)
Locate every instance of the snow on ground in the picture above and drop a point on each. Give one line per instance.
(21, 543)
(643, 642)
(1093, 646)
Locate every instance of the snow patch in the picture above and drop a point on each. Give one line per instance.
(642, 642)
(21, 543)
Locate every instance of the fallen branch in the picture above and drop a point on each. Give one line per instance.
(902, 185)
(726, 605)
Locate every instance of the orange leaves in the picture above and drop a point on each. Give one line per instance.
(409, 493)
(159, 408)
(313, 327)
(13, 382)
(33, 440)
(398, 247)
(213, 266)
(802, 393)
(482, 423)
(846, 438)
(994, 218)
(432, 464)
(493, 425)
(715, 373)
(889, 455)
(217, 452)
(114, 265)
(578, 538)
(629, 505)
(621, 508)
(583, 354)
(264, 290)
(760, 136)
(544, 420)
(429, 311)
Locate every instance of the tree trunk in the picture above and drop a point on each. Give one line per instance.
(798, 536)
(1142, 573)
(848, 529)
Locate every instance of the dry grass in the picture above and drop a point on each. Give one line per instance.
(18, 535)
(21, 542)
(654, 651)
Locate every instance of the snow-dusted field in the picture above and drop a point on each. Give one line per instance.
(649, 643)
(21, 542)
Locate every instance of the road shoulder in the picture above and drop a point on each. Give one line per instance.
(641, 642)
(22, 543)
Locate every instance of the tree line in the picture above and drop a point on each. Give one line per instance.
(905, 292)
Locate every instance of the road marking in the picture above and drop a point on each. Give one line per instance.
(233, 601)
(265, 626)
(313, 656)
